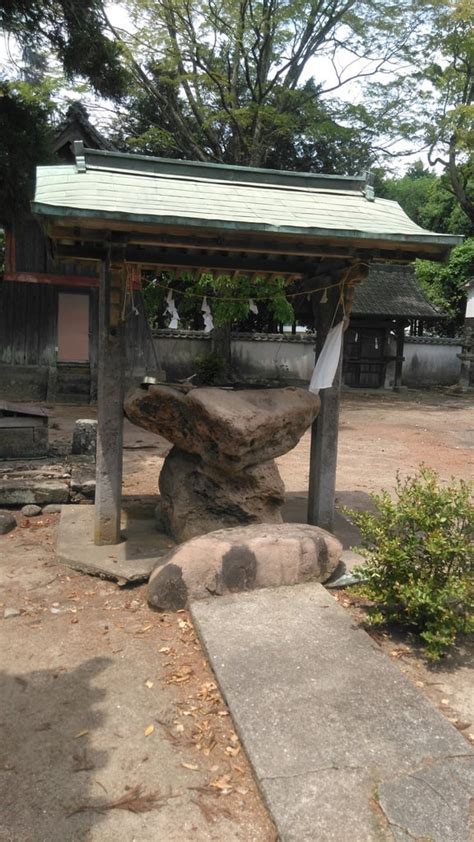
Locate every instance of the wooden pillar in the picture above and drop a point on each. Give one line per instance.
(400, 334)
(325, 429)
(110, 389)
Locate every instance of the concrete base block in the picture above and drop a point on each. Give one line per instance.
(132, 560)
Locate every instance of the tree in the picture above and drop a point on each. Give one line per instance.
(25, 140)
(429, 103)
(427, 199)
(445, 285)
(74, 33)
(46, 31)
(244, 82)
(451, 134)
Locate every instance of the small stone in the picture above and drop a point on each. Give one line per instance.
(55, 610)
(31, 510)
(7, 522)
(11, 612)
(52, 509)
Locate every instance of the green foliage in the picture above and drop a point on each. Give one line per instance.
(74, 31)
(210, 369)
(428, 200)
(25, 136)
(245, 83)
(419, 567)
(429, 103)
(227, 297)
(445, 284)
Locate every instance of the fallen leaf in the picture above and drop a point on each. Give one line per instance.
(232, 751)
(80, 734)
(191, 766)
(165, 649)
(149, 730)
(221, 784)
(183, 674)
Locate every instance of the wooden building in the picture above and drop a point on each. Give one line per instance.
(48, 304)
(384, 306)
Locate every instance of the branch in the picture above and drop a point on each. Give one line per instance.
(155, 92)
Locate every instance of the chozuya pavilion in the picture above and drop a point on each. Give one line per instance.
(128, 212)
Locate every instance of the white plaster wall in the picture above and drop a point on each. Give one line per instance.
(177, 355)
(286, 360)
(426, 363)
(430, 364)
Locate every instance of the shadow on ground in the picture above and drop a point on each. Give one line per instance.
(48, 766)
(295, 510)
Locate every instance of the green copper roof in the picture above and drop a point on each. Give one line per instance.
(105, 185)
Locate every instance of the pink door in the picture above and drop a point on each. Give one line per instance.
(73, 327)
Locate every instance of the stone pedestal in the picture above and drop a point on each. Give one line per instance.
(84, 438)
(221, 471)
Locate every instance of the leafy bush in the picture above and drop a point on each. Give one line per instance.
(210, 369)
(419, 558)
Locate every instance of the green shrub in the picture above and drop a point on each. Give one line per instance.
(419, 558)
(210, 369)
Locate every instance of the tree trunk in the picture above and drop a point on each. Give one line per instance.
(220, 347)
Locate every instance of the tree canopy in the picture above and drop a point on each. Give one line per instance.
(429, 200)
(246, 82)
(74, 32)
(429, 103)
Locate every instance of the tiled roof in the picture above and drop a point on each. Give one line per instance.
(392, 290)
(157, 191)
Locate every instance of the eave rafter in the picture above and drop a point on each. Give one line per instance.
(261, 255)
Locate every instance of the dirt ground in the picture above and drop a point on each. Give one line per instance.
(101, 696)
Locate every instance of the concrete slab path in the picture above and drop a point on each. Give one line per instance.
(343, 747)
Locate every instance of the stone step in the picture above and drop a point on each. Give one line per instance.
(18, 492)
(343, 746)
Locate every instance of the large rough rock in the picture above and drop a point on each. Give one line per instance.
(243, 558)
(197, 498)
(230, 429)
(7, 522)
